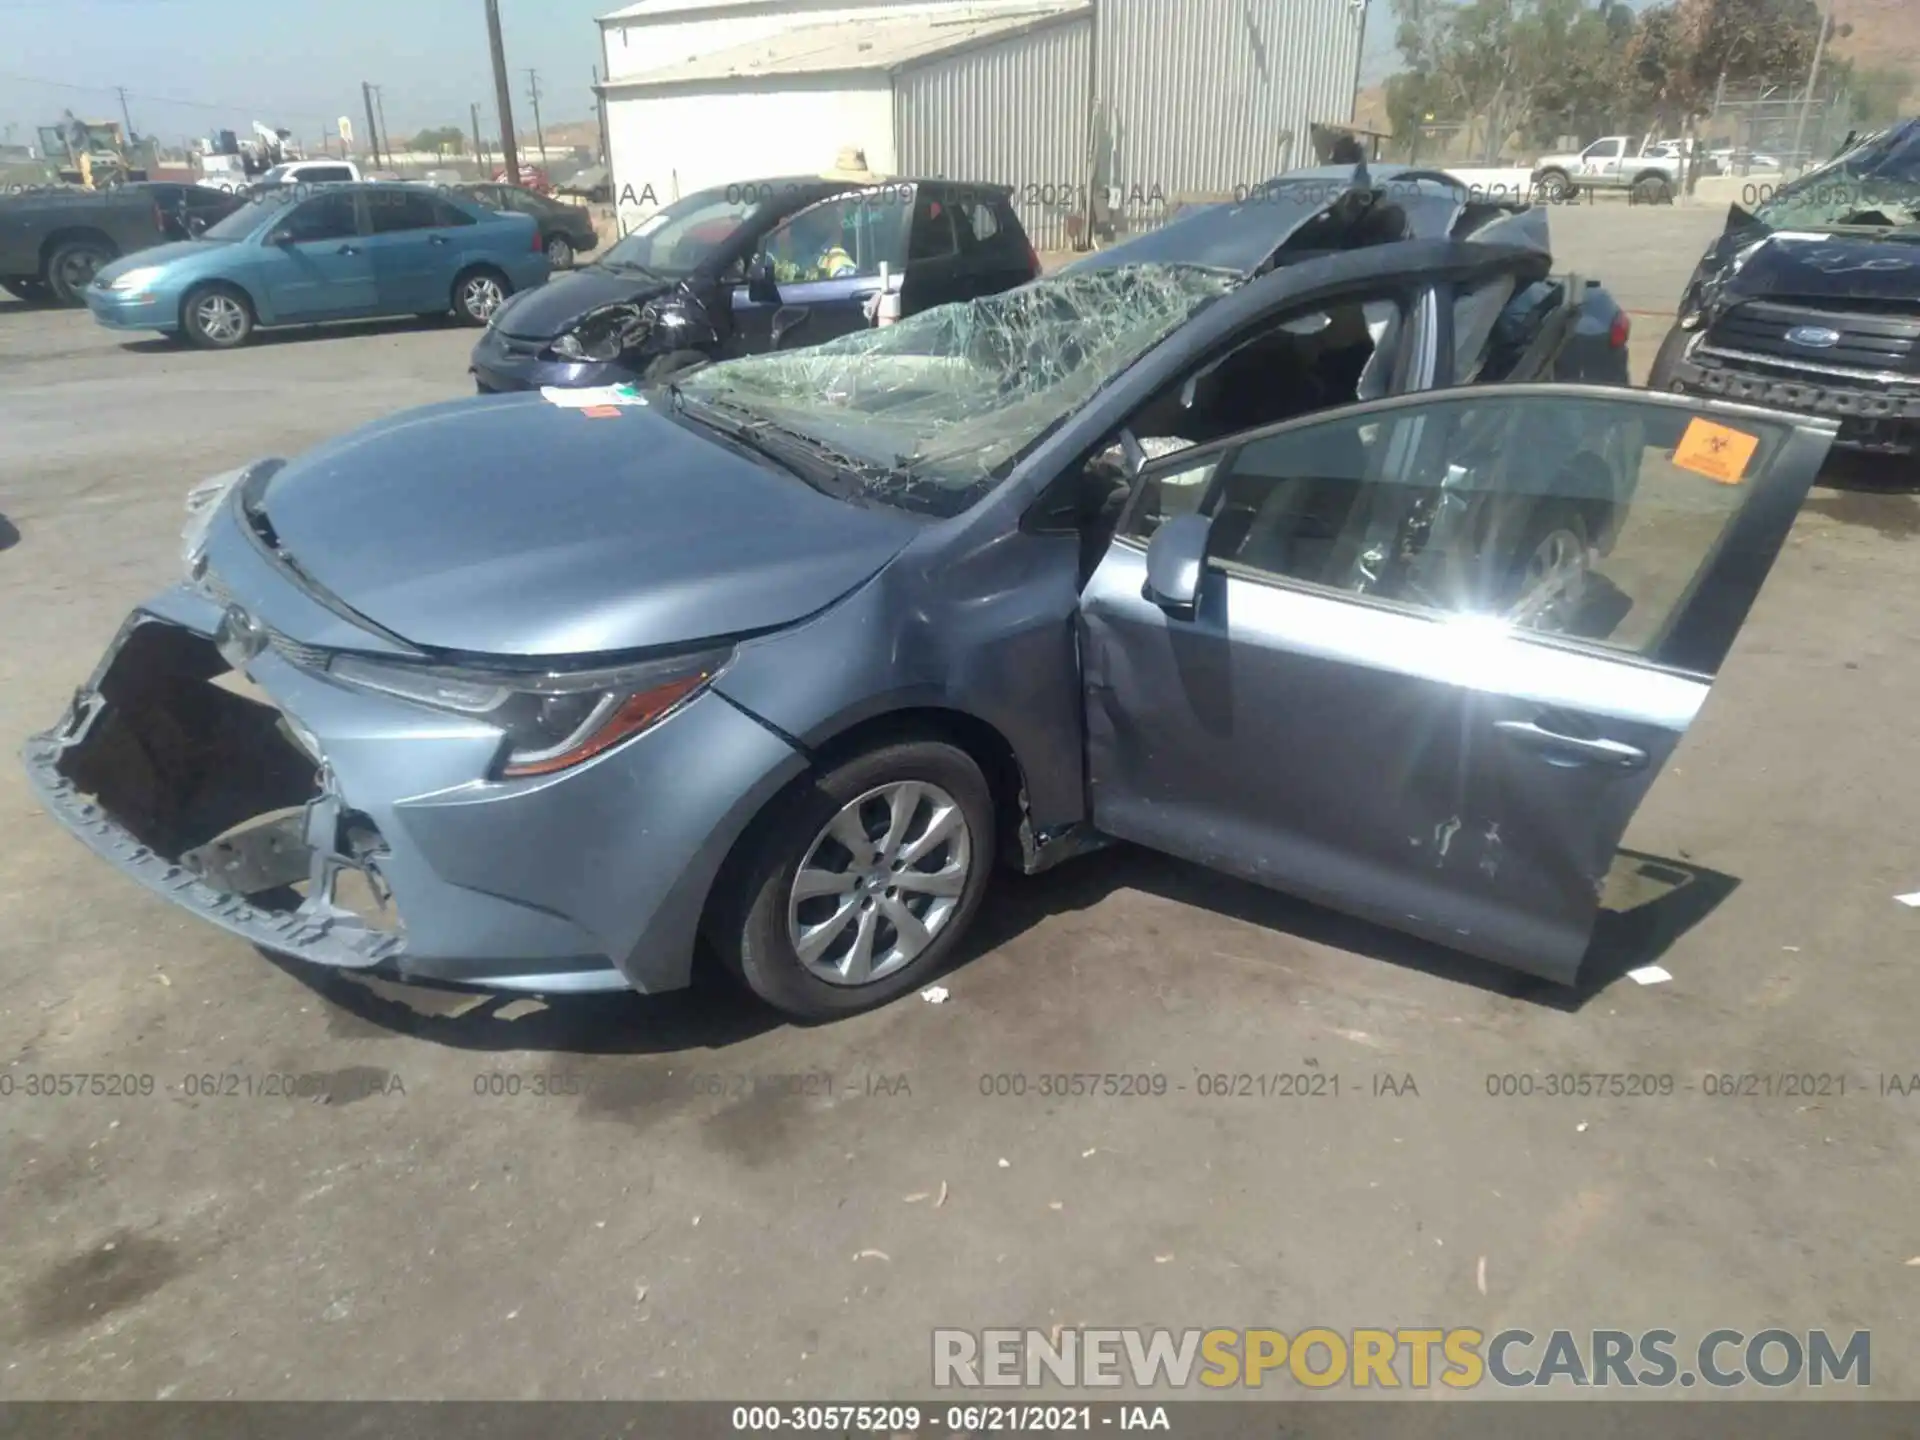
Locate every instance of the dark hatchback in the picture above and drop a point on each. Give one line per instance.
(758, 266)
(566, 231)
(1810, 302)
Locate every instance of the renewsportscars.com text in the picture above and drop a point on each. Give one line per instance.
(1457, 1358)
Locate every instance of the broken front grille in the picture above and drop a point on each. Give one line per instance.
(1868, 342)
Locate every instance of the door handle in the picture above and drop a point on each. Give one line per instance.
(348, 250)
(1569, 750)
(436, 240)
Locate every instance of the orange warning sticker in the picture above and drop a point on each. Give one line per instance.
(1715, 451)
(601, 412)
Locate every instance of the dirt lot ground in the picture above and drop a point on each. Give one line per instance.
(677, 1221)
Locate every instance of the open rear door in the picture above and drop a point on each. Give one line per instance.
(1432, 651)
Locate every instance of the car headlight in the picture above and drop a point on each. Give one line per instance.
(551, 721)
(203, 503)
(135, 280)
(604, 335)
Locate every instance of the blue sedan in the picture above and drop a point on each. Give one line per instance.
(345, 252)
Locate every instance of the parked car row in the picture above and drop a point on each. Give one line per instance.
(1318, 540)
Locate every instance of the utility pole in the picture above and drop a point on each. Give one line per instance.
(373, 129)
(386, 140)
(533, 90)
(478, 157)
(1813, 78)
(124, 113)
(502, 93)
(600, 101)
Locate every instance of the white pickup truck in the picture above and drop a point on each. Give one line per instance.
(1652, 176)
(223, 172)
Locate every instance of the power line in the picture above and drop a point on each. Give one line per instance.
(227, 107)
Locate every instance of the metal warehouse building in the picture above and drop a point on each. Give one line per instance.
(1152, 100)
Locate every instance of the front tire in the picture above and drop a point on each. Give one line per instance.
(71, 268)
(860, 884)
(216, 317)
(478, 292)
(1546, 590)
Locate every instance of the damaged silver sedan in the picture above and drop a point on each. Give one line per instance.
(1296, 542)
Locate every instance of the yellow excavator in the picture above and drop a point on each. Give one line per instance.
(97, 152)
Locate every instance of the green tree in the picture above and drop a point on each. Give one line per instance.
(445, 137)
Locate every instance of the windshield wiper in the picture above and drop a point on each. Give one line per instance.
(818, 468)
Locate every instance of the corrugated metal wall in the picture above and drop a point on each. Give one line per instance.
(1014, 113)
(1199, 96)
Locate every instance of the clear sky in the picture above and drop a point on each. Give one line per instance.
(191, 66)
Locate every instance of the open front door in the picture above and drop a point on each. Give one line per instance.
(1422, 659)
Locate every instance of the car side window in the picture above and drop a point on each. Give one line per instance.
(326, 174)
(934, 237)
(848, 237)
(324, 217)
(396, 210)
(1582, 517)
(1475, 314)
(446, 214)
(978, 222)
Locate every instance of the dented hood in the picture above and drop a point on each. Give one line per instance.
(548, 311)
(511, 526)
(1840, 264)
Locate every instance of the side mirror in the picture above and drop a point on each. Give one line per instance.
(196, 224)
(1176, 558)
(762, 288)
(786, 320)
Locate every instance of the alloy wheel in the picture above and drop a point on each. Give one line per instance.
(481, 296)
(76, 270)
(220, 318)
(879, 882)
(1554, 584)
(560, 253)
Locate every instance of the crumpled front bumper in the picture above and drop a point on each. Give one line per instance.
(1873, 417)
(501, 365)
(593, 879)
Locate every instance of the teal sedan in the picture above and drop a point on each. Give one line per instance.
(300, 255)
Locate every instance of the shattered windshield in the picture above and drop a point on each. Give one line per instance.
(930, 411)
(1875, 183)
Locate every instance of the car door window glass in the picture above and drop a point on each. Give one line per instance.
(844, 238)
(1475, 314)
(1581, 517)
(977, 222)
(933, 236)
(325, 217)
(395, 210)
(445, 214)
